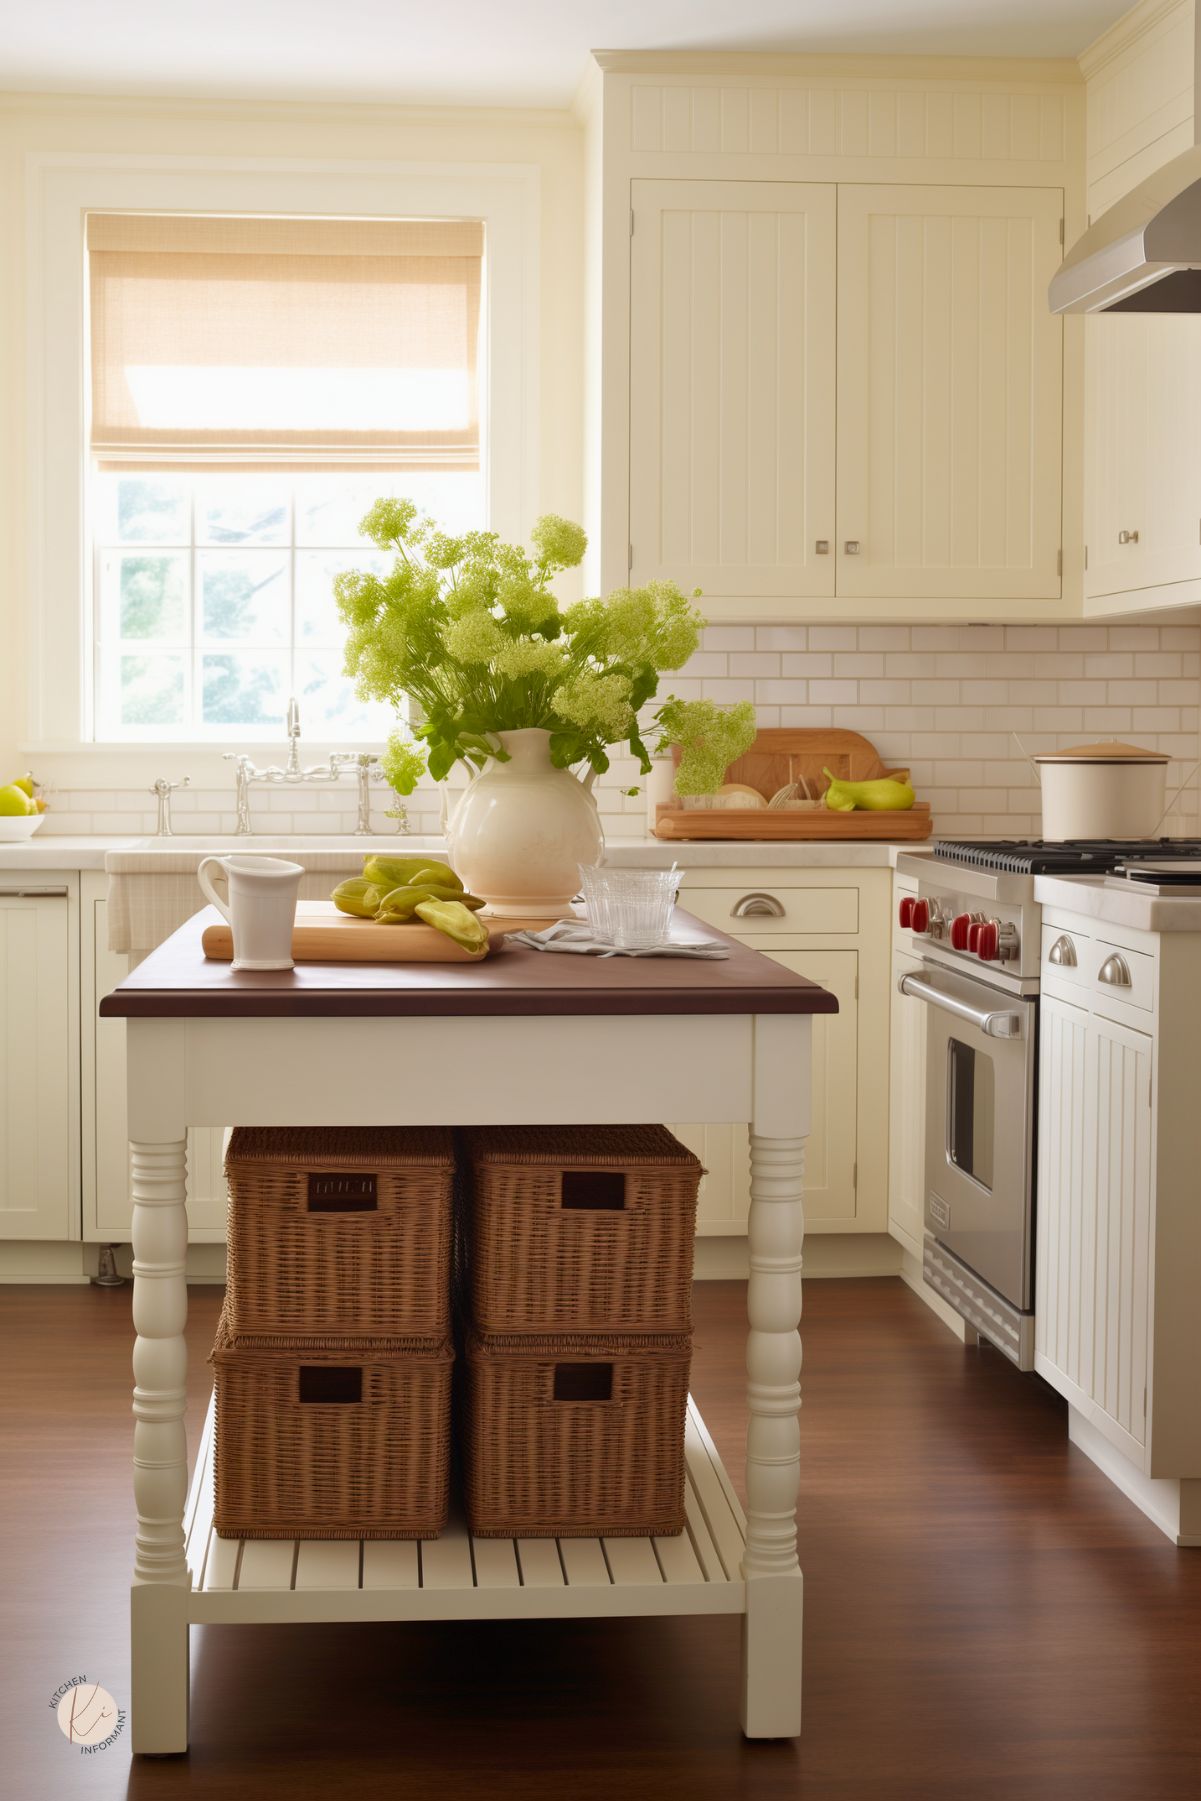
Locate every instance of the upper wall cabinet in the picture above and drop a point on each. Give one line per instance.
(732, 386)
(1142, 406)
(949, 393)
(917, 360)
(1142, 456)
(822, 377)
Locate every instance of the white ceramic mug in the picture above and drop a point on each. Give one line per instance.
(259, 903)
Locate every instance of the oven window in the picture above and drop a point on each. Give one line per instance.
(971, 1112)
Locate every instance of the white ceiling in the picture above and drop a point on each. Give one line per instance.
(499, 52)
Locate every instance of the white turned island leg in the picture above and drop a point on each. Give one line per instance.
(771, 1630)
(159, 1599)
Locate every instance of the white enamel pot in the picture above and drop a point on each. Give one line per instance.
(1103, 791)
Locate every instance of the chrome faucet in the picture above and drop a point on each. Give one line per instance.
(162, 791)
(246, 772)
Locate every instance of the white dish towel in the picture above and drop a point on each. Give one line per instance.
(576, 935)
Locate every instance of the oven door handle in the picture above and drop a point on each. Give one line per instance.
(1000, 1024)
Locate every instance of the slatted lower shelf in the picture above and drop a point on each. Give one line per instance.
(458, 1577)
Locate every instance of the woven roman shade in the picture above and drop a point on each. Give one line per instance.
(217, 342)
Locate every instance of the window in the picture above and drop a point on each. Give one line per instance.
(255, 384)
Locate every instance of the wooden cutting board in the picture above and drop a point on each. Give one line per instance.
(324, 935)
(777, 825)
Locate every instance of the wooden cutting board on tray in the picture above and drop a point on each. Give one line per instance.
(324, 935)
(783, 754)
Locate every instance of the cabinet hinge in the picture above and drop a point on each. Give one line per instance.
(629, 557)
(1059, 562)
(632, 224)
(1086, 556)
(1144, 1400)
(855, 1184)
(1061, 231)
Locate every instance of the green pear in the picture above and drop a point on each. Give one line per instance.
(14, 802)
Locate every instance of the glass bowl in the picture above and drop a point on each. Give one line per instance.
(630, 908)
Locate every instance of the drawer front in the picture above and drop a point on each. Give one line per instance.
(747, 912)
(1121, 975)
(1068, 959)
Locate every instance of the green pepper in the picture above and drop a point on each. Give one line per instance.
(400, 904)
(459, 925)
(357, 896)
(405, 872)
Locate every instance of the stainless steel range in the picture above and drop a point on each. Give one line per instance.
(977, 928)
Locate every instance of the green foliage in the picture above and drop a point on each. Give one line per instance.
(470, 630)
(710, 739)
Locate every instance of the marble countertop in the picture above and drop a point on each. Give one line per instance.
(182, 855)
(1122, 904)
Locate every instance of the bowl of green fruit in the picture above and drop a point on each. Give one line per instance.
(20, 813)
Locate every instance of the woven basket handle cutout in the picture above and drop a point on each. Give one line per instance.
(343, 1191)
(582, 1382)
(329, 1384)
(593, 1191)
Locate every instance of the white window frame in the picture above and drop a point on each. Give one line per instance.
(60, 190)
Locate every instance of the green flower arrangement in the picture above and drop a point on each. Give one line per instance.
(710, 737)
(469, 629)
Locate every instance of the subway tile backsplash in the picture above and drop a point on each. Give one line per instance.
(943, 700)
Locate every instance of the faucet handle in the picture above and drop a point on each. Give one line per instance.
(162, 787)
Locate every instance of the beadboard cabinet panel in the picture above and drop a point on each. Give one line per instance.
(949, 393)
(1093, 1305)
(39, 1128)
(732, 386)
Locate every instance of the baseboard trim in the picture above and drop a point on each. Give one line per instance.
(1173, 1503)
(911, 1276)
(42, 1261)
(724, 1259)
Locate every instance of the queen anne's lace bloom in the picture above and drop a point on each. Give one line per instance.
(474, 638)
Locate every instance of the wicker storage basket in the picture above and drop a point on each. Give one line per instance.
(578, 1229)
(320, 1439)
(335, 1231)
(574, 1436)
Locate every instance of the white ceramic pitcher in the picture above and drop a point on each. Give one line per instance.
(520, 830)
(260, 904)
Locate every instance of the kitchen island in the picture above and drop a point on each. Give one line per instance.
(524, 1037)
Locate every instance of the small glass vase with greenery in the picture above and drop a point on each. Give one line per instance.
(468, 628)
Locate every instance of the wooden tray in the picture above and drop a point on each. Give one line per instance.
(323, 935)
(782, 754)
(776, 825)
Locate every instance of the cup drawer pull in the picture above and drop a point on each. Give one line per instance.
(1062, 953)
(757, 905)
(1115, 972)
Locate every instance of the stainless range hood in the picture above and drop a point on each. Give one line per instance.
(1144, 254)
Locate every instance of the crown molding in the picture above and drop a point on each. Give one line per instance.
(798, 66)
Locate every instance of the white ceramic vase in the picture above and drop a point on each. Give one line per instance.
(521, 829)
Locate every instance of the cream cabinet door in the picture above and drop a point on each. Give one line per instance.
(830, 1160)
(1142, 470)
(907, 1111)
(1093, 1257)
(39, 1060)
(107, 1206)
(949, 393)
(732, 386)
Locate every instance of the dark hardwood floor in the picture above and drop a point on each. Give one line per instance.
(985, 1616)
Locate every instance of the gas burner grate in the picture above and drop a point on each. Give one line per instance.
(1036, 856)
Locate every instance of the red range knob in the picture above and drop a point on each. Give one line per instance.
(960, 926)
(905, 911)
(920, 919)
(989, 941)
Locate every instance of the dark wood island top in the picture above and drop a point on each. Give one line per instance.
(177, 981)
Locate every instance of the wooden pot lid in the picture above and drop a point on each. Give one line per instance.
(1110, 752)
